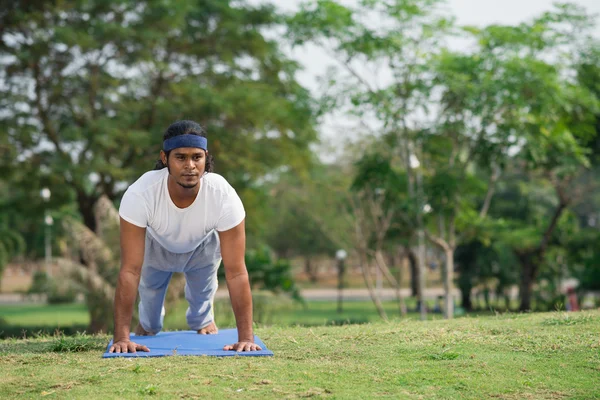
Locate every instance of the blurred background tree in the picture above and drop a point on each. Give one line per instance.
(90, 86)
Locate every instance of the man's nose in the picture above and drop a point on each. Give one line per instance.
(190, 163)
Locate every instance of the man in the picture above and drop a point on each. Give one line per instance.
(181, 218)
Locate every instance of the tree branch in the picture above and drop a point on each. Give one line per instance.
(437, 241)
(490, 192)
(562, 205)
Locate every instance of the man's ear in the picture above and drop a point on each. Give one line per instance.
(163, 157)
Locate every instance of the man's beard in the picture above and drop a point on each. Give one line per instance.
(183, 185)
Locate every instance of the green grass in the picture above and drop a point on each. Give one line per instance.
(507, 356)
(41, 315)
(269, 310)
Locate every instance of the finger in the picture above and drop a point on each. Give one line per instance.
(141, 347)
(256, 347)
(202, 331)
(112, 349)
(228, 347)
(131, 347)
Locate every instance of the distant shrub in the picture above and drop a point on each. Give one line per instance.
(77, 344)
(64, 296)
(57, 293)
(40, 284)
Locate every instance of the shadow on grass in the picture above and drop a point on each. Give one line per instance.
(28, 332)
(25, 347)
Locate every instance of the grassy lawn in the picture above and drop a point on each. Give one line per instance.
(269, 311)
(508, 356)
(52, 315)
(279, 311)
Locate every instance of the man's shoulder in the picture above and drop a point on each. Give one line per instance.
(216, 182)
(147, 181)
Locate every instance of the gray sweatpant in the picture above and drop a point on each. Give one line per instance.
(200, 269)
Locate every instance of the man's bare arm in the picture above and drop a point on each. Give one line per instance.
(133, 241)
(233, 249)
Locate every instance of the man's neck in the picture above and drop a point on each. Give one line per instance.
(181, 197)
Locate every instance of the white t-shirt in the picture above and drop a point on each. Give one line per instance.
(147, 204)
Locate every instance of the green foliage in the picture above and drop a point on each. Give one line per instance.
(109, 77)
(295, 227)
(57, 292)
(584, 255)
(61, 295)
(268, 273)
(40, 283)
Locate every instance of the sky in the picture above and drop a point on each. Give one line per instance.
(466, 12)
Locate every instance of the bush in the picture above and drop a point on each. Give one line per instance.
(56, 293)
(41, 283)
(64, 296)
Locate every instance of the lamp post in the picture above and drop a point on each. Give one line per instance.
(48, 221)
(415, 164)
(340, 256)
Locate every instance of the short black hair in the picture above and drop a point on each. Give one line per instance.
(185, 127)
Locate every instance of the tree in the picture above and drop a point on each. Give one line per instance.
(535, 108)
(398, 38)
(293, 231)
(89, 87)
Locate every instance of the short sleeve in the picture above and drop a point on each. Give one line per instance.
(232, 212)
(133, 209)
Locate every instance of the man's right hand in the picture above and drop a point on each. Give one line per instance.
(127, 346)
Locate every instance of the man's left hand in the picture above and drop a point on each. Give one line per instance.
(243, 346)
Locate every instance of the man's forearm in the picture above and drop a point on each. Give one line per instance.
(124, 298)
(241, 302)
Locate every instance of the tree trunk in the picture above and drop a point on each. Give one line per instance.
(486, 297)
(310, 270)
(364, 266)
(101, 315)
(414, 273)
(466, 301)
(86, 208)
(383, 268)
(530, 259)
(528, 274)
(507, 301)
(449, 283)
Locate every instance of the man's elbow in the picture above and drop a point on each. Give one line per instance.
(130, 272)
(236, 274)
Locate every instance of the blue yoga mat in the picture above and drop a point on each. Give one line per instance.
(189, 343)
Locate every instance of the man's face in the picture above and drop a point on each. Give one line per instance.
(186, 165)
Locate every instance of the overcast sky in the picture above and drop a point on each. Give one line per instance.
(466, 12)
